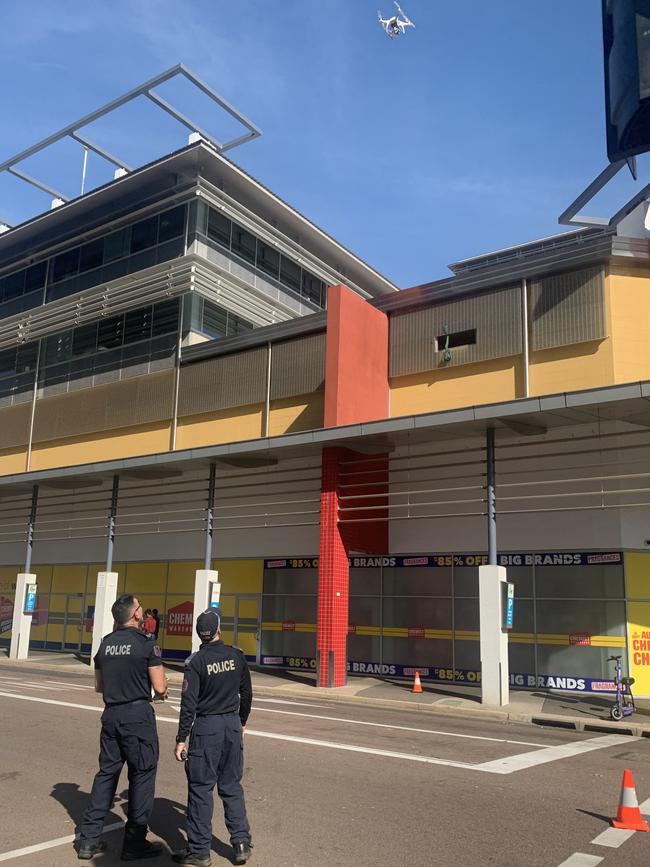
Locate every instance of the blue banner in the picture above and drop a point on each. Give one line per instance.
(30, 599)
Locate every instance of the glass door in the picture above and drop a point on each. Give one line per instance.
(246, 628)
(73, 621)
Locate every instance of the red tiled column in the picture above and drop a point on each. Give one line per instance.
(333, 579)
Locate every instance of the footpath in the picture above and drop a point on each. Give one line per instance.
(577, 711)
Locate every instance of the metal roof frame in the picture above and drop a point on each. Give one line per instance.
(72, 130)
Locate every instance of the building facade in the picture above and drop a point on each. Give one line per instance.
(183, 324)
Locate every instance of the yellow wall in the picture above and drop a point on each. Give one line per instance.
(106, 446)
(453, 387)
(296, 413)
(224, 426)
(629, 294)
(12, 461)
(571, 368)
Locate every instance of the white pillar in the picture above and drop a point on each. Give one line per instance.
(105, 595)
(495, 675)
(203, 583)
(22, 623)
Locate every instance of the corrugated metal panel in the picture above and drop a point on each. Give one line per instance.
(232, 380)
(297, 366)
(14, 426)
(567, 308)
(138, 401)
(495, 315)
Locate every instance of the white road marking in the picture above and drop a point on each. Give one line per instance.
(552, 754)
(645, 807)
(499, 766)
(579, 859)
(292, 703)
(69, 685)
(51, 844)
(613, 837)
(358, 722)
(29, 685)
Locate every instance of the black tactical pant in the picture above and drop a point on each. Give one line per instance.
(215, 758)
(128, 735)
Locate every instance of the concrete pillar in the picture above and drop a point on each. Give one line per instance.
(22, 623)
(206, 592)
(105, 596)
(495, 674)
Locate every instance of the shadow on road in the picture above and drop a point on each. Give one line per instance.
(167, 821)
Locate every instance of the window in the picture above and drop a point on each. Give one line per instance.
(91, 255)
(65, 265)
(116, 245)
(84, 340)
(268, 259)
(172, 224)
(58, 347)
(219, 227)
(7, 362)
(110, 332)
(165, 317)
(312, 288)
(214, 320)
(13, 285)
(243, 243)
(137, 325)
(144, 234)
(290, 273)
(456, 340)
(35, 277)
(26, 356)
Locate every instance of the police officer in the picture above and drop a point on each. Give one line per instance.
(217, 696)
(127, 666)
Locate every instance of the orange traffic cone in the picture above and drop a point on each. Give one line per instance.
(417, 686)
(629, 816)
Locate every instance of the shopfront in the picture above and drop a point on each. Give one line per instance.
(421, 612)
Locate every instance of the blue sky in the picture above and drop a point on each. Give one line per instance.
(471, 133)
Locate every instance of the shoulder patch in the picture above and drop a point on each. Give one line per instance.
(189, 659)
(156, 650)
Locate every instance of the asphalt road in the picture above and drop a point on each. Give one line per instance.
(332, 784)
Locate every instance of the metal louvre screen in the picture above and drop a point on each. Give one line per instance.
(220, 383)
(567, 308)
(297, 366)
(14, 426)
(494, 316)
(138, 401)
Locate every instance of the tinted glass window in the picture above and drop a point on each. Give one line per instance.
(65, 265)
(7, 362)
(35, 277)
(110, 332)
(172, 224)
(84, 340)
(165, 317)
(312, 288)
(13, 285)
(219, 227)
(116, 245)
(26, 357)
(243, 243)
(290, 273)
(137, 325)
(268, 259)
(91, 255)
(144, 234)
(215, 320)
(58, 347)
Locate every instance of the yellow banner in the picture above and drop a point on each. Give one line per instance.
(638, 631)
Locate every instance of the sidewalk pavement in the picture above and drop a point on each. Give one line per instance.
(578, 711)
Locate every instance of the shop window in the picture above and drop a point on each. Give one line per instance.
(596, 581)
(417, 581)
(219, 227)
(144, 234)
(291, 581)
(172, 224)
(456, 340)
(417, 611)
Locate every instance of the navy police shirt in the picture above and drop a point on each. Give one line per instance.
(217, 680)
(124, 658)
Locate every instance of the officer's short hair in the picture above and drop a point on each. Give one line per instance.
(122, 608)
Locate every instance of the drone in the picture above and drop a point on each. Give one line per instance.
(395, 26)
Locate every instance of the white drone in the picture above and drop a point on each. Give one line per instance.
(395, 26)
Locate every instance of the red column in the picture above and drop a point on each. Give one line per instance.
(333, 578)
(356, 390)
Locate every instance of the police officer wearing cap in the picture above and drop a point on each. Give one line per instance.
(127, 666)
(215, 705)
